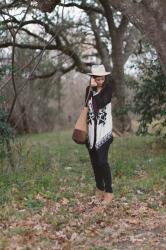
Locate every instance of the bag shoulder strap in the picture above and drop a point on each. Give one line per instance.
(90, 88)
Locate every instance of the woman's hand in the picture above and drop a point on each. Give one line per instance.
(92, 82)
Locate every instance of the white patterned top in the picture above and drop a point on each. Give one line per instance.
(100, 124)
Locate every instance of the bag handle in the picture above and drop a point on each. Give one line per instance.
(90, 88)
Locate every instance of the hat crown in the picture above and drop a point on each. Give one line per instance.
(98, 70)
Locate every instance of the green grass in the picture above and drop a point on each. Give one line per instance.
(53, 165)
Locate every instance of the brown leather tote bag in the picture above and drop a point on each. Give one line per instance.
(80, 132)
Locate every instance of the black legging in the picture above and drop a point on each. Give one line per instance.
(101, 168)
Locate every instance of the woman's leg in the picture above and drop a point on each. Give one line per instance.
(98, 174)
(102, 154)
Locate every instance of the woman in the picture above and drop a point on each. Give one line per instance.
(100, 131)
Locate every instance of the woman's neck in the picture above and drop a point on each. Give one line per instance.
(99, 88)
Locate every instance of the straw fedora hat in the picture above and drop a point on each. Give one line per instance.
(98, 70)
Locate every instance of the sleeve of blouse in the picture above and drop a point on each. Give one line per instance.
(104, 97)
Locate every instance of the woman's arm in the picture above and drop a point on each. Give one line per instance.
(104, 96)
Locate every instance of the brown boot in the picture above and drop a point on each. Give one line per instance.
(108, 197)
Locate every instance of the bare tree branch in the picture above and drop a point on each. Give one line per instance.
(50, 74)
(109, 17)
(123, 25)
(34, 68)
(14, 34)
(85, 6)
(7, 6)
(100, 45)
(28, 46)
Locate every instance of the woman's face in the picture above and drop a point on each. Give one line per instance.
(99, 80)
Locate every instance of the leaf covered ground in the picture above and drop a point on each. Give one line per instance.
(48, 202)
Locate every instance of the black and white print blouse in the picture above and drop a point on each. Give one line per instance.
(99, 116)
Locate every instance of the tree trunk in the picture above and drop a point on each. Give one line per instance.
(24, 119)
(59, 97)
(121, 121)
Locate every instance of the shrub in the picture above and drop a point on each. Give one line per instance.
(6, 133)
(149, 100)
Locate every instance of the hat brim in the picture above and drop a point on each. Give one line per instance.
(99, 74)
